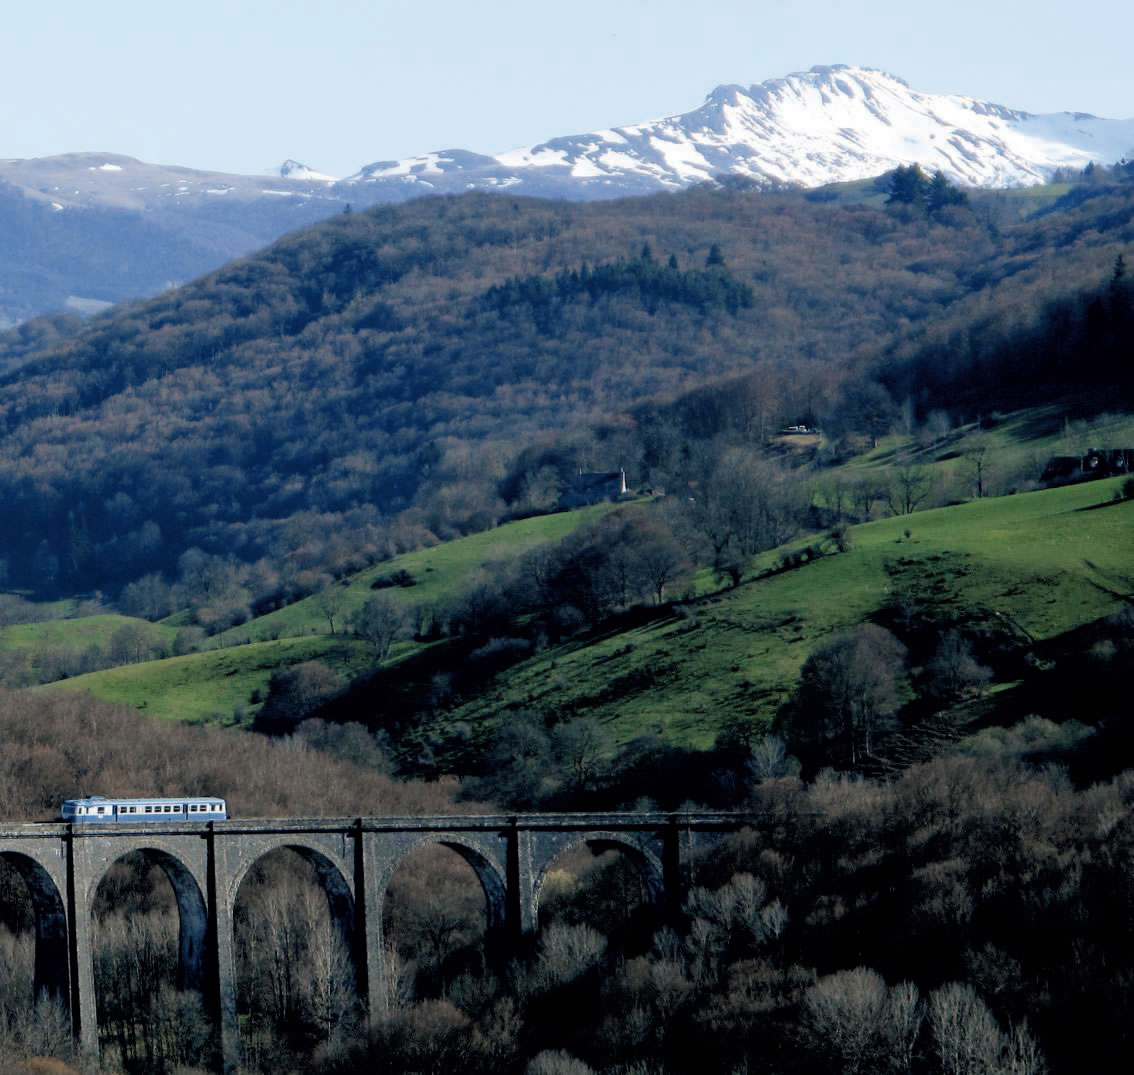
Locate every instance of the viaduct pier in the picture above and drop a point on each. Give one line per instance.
(355, 858)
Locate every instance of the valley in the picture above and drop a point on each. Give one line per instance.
(302, 534)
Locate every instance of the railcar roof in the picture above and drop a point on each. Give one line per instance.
(95, 800)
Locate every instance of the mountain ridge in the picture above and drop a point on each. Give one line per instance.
(827, 125)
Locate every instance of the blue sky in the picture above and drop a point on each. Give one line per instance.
(241, 85)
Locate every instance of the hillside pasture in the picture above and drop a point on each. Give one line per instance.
(215, 687)
(439, 574)
(1035, 565)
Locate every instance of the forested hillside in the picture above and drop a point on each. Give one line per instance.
(399, 361)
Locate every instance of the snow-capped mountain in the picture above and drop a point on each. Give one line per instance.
(826, 125)
(88, 229)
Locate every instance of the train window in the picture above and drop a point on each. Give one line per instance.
(177, 809)
(102, 809)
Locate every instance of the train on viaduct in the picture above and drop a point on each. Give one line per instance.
(62, 865)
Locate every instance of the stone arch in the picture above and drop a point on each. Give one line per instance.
(484, 855)
(193, 919)
(646, 860)
(488, 873)
(340, 897)
(250, 912)
(50, 925)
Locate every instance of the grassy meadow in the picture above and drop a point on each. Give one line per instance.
(80, 632)
(215, 686)
(1039, 564)
(238, 664)
(1035, 565)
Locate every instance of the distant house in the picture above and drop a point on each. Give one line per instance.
(594, 488)
(1097, 463)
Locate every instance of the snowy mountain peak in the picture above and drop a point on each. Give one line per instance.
(829, 124)
(292, 169)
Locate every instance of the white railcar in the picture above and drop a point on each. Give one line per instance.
(98, 810)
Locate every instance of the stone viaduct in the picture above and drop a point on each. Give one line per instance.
(355, 858)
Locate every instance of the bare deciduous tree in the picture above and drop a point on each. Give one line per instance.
(565, 953)
(849, 690)
(967, 1039)
(332, 602)
(977, 457)
(910, 485)
(860, 1024)
(380, 622)
(580, 745)
(953, 671)
(843, 1013)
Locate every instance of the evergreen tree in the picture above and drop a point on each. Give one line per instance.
(941, 193)
(907, 186)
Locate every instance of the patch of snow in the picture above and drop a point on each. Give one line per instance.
(86, 307)
(682, 158)
(586, 169)
(534, 157)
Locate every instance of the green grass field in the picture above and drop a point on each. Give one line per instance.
(80, 633)
(439, 573)
(211, 685)
(1040, 563)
